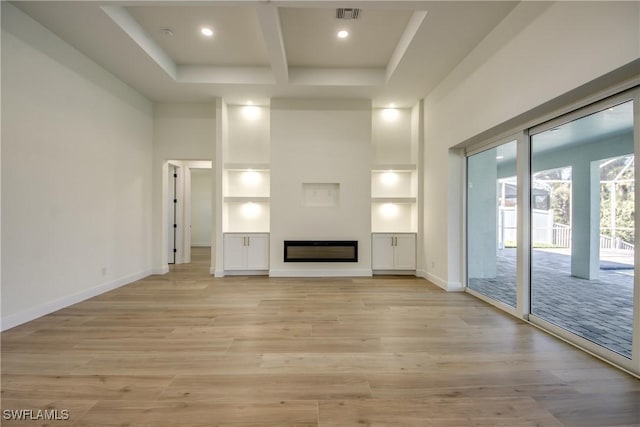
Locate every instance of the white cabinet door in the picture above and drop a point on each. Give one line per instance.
(405, 252)
(257, 252)
(382, 251)
(234, 251)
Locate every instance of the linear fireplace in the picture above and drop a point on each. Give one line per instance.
(320, 251)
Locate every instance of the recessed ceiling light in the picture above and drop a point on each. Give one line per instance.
(499, 157)
(343, 34)
(206, 31)
(167, 32)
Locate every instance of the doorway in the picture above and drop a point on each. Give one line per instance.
(201, 207)
(189, 208)
(172, 210)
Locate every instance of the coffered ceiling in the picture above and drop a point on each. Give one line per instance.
(395, 51)
(237, 42)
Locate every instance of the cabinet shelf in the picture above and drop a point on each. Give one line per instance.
(403, 200)
(396, 167)
(244, 199)
(246, 166)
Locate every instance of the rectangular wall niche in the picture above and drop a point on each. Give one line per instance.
(318, 194)
(320, 251)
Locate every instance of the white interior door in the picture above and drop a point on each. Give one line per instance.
(171, 210)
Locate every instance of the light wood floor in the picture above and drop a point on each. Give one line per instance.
(185, 349)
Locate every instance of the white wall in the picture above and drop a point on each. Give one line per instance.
(76, 174)
(180, 132)
(201, 204)
(247, 134)
(320, 142)
(392, 136)
(0, 182)
(539, 52)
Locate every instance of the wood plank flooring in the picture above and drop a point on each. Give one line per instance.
(185, 349)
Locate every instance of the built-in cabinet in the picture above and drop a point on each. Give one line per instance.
(246, 189)
(393, 251)
(246, 252)
(395, 188)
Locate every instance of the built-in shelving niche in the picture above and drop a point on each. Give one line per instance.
(246, 176)
(394, 198)
(246, 198)
(394, 175)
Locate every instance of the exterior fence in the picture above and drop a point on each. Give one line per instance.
(607, 242)
(547, 233)
(561, 236)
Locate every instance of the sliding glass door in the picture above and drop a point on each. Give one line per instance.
(550, 226)
(583, 227)
(492, 223)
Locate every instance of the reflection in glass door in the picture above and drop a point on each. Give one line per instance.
(491, 223)
(583, 228)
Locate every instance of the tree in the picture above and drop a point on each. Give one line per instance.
(618, 175)
(558, 183)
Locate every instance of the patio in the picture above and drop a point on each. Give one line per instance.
(598, 310)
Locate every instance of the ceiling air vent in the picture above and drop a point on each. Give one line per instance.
(347, 13)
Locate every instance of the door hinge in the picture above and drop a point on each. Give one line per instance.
(175, 175)
(175, 225)
(175, 250)
(175, 200)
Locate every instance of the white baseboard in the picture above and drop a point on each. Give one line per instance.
(320, 273)
(161, 270)
(200, 245)
(246, 273)
(421, 273)
(216, 273)
(436, 280)
(16, 319)
(447, 286)
(395, 272)
(455, 287)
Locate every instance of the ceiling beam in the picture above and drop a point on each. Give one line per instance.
(225, 75)
(316, 4)
(130, 26)
(362, 4)
(272, 33)
(410, 31)
(301, 76)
